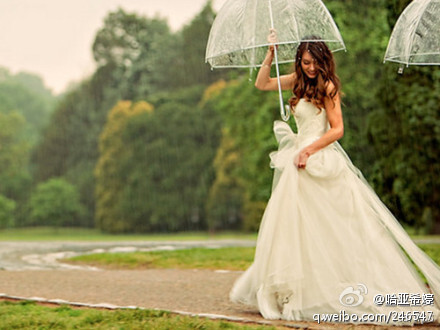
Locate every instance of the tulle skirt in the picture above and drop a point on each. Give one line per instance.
(328, 245)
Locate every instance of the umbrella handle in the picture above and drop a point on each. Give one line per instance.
(285, 115)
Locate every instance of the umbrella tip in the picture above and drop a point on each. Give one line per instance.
(401, 68)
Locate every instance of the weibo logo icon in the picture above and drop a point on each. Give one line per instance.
(351, 297)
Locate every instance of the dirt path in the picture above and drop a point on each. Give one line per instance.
(193, 291)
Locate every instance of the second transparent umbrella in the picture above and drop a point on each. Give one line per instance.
(238, 36)
(415, 39)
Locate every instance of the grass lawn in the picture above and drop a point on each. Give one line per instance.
(87, 234)
(239, 258)
(432, 250)
(28, 315)
(84, 234)
(234, 258)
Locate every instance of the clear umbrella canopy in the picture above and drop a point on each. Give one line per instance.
(238, 36)
(415, 39)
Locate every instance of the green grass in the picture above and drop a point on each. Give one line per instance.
(83, 234)
(432, 250)
(238, 258)
(197, 258)
(28, 315)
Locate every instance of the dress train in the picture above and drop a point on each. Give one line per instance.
(328, 245)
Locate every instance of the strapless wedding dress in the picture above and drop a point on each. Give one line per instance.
(328, 245)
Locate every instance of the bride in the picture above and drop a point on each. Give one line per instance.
(328, 249)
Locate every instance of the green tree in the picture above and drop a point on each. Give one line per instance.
(69, 144)
(35, 84)
(155, 167)
(405, 133)
(111, 175)
(55, 203)
(192, 51)
(25, 105)
(243, 176)
(363, 25)
(14, 175)
(7, 208)
(138, 58)
(134, 46)
(26, 94)
(226, 195)
(170, 179)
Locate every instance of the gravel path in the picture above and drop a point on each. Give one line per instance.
(193, 291)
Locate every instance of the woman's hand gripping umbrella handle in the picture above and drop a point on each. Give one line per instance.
(272, 38)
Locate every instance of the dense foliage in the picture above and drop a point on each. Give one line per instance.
(405, 132)
(26, 94)
(154, 140)
(55, 203)
(7, 208)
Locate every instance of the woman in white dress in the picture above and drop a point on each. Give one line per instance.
(328, 249)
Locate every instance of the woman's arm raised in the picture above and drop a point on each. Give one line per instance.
(265, 83)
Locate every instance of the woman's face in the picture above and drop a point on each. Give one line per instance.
(309, 65)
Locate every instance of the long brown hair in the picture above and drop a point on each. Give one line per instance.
(314, 90)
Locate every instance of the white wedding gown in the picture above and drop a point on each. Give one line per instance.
(326, 242)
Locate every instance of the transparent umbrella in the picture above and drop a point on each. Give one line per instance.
(415, 39)
(238, 36)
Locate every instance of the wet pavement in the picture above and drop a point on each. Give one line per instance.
(17, 255)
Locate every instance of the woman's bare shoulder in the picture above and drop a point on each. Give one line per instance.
(332, 92)
(291, 79)
(287, 81)
(293, 76)
(329, 87)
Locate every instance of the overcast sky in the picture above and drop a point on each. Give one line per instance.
(53, 38)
